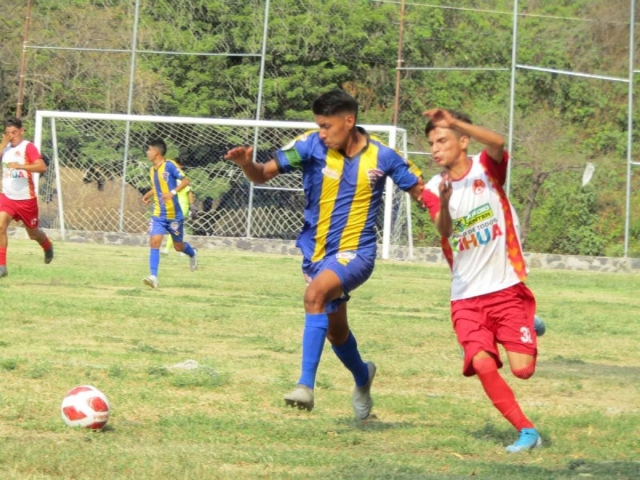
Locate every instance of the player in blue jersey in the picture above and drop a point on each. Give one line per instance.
(343, 171)
(167, 218)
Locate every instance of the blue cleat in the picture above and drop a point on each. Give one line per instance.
(539, 326)
(529, 438)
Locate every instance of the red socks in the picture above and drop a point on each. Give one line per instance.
(500, 393)
(46, 245)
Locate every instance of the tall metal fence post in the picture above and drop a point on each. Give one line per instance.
(627, 220)
(256, 134)
(512, 94)
(134, 43)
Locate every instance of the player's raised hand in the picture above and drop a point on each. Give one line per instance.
(440, 117)
(241, 156)
(445, 189)
(6, 138)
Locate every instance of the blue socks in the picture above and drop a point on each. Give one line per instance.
(350, 357)
(315, 333)
(188, 249)
(154, 261)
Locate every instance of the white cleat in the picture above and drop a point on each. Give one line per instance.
(301, 397)
(362, 401)
(193, 261)
(152, 281)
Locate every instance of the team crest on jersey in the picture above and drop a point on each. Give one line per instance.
(165, 176)
(478, 186)
(374, 175)
(174, 226)
(345, 257)
(329, 172)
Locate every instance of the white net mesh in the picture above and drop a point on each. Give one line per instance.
(91, 154)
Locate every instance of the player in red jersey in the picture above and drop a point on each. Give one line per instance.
(490, 304)
(18, 201)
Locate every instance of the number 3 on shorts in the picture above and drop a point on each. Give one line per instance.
(526, 335)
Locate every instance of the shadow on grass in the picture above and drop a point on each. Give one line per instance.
(373, 424)
(379, 468)
(612, 469)
(504, 436)
(624, 470)
(560, 366)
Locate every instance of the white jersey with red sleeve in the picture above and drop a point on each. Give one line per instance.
(19, 184)
(484, 251)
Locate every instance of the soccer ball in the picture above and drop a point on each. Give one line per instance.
(85, 406)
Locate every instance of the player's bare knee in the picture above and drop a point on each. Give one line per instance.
(314, 299)
(179, 247)
(525, 372)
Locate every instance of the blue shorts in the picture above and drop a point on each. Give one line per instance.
(162, 226)
(351, 268)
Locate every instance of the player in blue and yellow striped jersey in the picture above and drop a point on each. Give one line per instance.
(167, 180)
(344, 171)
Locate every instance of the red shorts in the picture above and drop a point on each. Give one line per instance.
(25, 211)
(504, 317)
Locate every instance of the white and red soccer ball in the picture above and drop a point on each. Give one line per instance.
(85, 406)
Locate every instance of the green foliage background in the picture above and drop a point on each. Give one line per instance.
(562, 122)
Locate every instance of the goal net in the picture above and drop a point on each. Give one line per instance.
(98, 171)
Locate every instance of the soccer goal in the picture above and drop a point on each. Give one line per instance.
(98, 171)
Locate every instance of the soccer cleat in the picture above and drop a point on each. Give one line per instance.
(539, 326)
(3, 271)
(152, 281)
(301, 397)
(48, 255)
(193, 261)
(362, 401)
(529, 438)
(164, 252)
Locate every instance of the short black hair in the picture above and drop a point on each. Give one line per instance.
(13, 122)
(455, 114)
(335, 102)
(159, 144)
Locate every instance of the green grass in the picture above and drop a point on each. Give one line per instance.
(87, 319)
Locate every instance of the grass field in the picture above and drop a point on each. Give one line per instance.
(87, 319)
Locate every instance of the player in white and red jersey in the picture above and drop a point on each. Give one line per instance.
(490, 304)
(18, 200)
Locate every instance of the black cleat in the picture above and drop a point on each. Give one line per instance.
(48, 255)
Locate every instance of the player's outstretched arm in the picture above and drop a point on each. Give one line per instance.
(256, 172)
(493, 142)
(416, 190)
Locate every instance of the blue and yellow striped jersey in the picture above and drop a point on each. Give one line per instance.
(343, 194)
(164, 179)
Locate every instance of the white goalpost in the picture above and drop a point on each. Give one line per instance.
(98, 170)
